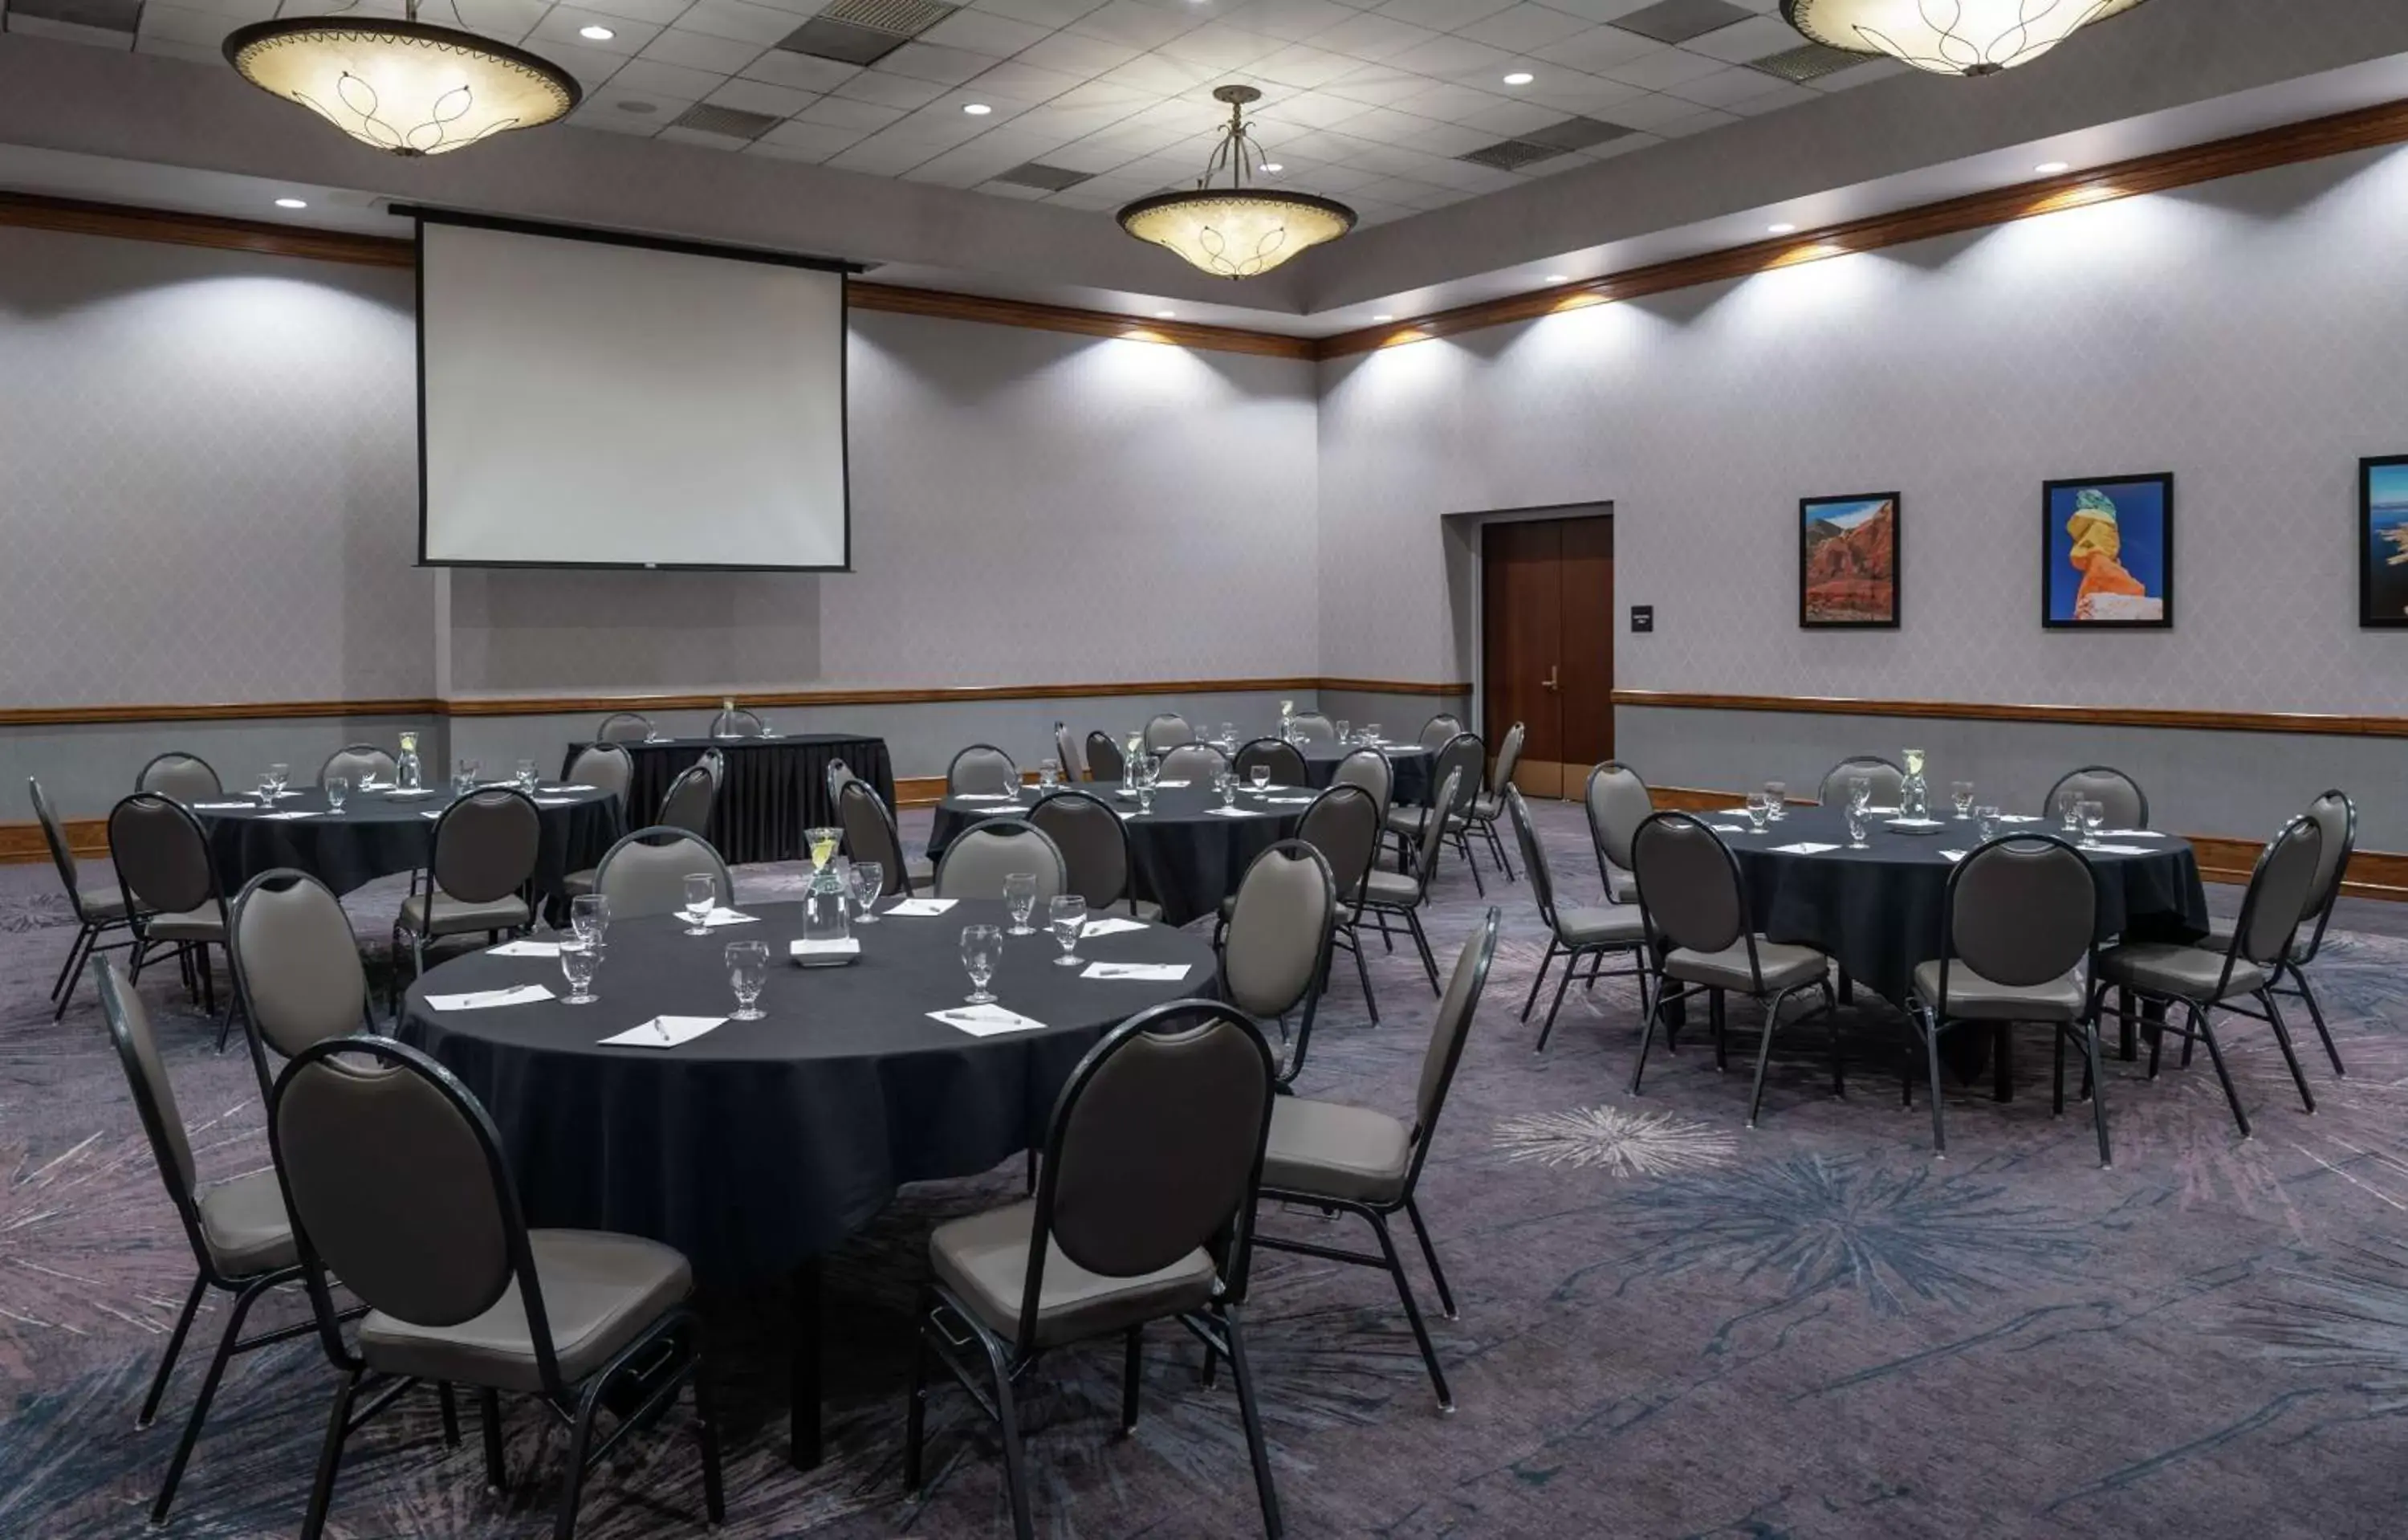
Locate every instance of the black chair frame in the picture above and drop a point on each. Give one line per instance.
(901, 876)
(144, 774)
(2048, 803)
(193, 958)
(2297, 959)
(90, 928)
(1543, 887)
(1110, 764)
(602, 733)
(420, 940)
(1411, 860)
(282, 876)
(1284, 1079)
(1127, 895)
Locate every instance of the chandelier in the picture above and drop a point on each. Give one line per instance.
(1949, 37)
(1235, 231)
(408, 87)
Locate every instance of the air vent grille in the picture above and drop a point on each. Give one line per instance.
(1808, 62)
(1511, 155)
(736, 124)
(1678, 21)
(903, 18)
(1054, 178)
(103, 15)
(1574, 134)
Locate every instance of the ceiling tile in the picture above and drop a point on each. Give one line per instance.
(1302, 67)
(1070, 123)
(1452, 58)
(1667, 67)
(1441, 15)
(1044, 13)
(1782, 95)
(1105, 93)
(1378, 85)
(1371, 36)
(881, 156)
(1507, 119)
(1449, 103)
(603, 116)
(876, 85)
(1221, 45)
(745, 23)
(760, 97)
(672, 80)
(1130, 22)
(801, 141)
(1754, 38)
(1308, 110)
(1648, 110)
(1288, 19)
(658, 12)
(932, 62)
(509, 20)
(1725, 87)
(1698, 121)
(1678, 21)
(1856, 75)
(696, 51)
(1446, 139)
(985, 31)
(800, 70)
(1597, 49)
(696, 137)
(1520, 29)
(1074, 53)
(844, 113)
(563, 24)
(1024, 82)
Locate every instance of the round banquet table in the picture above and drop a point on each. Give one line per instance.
(762, 1144)
(377, 835)
(1877, 910)
(1181, 855)
(775, 787)
(1410, 762)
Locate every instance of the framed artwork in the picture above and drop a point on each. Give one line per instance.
(2382, 542)
(2107, 552)
(1847, 562)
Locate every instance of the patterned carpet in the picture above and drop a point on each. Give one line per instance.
(1670, 1326)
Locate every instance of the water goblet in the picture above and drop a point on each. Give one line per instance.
(1225, 781)
(1020, 897)
(337, 790)
(2069, 810)
(526, 775)
(1342, 725)
(1370, 733)
(1228, 738)
(266, 792)
(464, 777)
(589, 917)
(1049, 774)
(1757, 811)
(747, 969)
(1260, 777)
(1860, 794)
(578, 961)
(1962, 793)
(868, 884)
(1858, 821)
(1067, 918)
(1776, 801)
(2093, 814)
(701, 898)
(980, 945)
(1986, 821)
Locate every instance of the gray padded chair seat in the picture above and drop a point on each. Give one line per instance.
(1391, 887)
(1412, 820)
(1329, 1149)
(245, 1226)
(2183, 972)
(1973, 997)
(601, 1291)
(1784, 966)
(1597, 927)
(203, 924)
(101, 901)
(983, 1259)
(453, 916)
(1620, 885)
(578, 883)
(1489, 805)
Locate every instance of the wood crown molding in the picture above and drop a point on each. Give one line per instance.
(2310, 723)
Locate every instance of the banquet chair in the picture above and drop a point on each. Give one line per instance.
(359, 764)
(1885, 779)
(607, 769)
(1439, 731)
(396, 1185)
(1105, 761)
(2336, 818)
(1488, 807)
(981, 770)
(1343, 823)
(1065, 753)
(1312, 727)
(2118, 796)
(2020, 917)
(1618, 801)
(185, 777)
(243, 1243)
(1197, 763)
(1403, 893)
(1369, 768)
(297, 964)
(735, 723)
(624, 728)
(1358, 1160)
(1693, 895)
(1166, 731)
(1153, 1162)
(869, 835)
(478, 876)
(1286, 765)
(1576, 932)
(983, 856)
(644, 872)
(169, 880)
(687, 804)
(2281, 895)
(1094, 842)
(1465, 759)
(98, 907)
(714, 764)
(1274, 946)
(839, 772)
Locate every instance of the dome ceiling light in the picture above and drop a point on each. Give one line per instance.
(1240, 230)
(1949, 37)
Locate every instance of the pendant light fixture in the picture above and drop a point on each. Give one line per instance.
(1949, 37)
(1240, 230)
(406, 87)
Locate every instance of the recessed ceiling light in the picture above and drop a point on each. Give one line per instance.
(2050, 168)
(597, 33)
(977, 109)
(292, 203)
(1785, 228)
(1519, 76)
(1273, 166)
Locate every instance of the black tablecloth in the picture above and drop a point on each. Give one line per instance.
(764, 1143)
(775, 787)
(1181, 856)
(1411, 764)
(376, 836)
(1878, 910)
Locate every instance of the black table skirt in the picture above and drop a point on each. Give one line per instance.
(775, 787)
(766, 1142)
(1410, 765)
(1181, 856)
(374, 836)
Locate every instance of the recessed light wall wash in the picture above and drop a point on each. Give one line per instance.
(597, 34)
(1519, 76)
(2053, 168)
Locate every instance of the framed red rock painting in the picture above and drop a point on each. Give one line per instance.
(1847, 562)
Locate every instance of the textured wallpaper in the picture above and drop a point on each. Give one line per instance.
(207, 477)
(2249, 336)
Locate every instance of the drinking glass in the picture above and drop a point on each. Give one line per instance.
(869, 882)
(463, 776)
(267, 791)
(1229, 736)
(1986, 821)
(579, 959)
(1857, 823)
(1342, 730)
(1370, 732)
(1020, 897)
(701, 897)
(337, 789)
(526, 775)
(1962, 793)
(1225, 781)
(1776, 799)
(1049, 774)
(747, 969)
(1860, 794)
(2069, 810)
(589, 916)
(2093, 814)
(822, 843)
(981, 947)
(1261, 778)
(1756, 810)
(1067, 918)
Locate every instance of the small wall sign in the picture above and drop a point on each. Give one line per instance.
(1643, 617)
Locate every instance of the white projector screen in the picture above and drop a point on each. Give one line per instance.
(601, 401)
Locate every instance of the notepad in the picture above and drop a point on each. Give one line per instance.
(397, 794)
(485, 1000)
(1168, 785)
(2120, 850)
(663, 1032)
(718, 917)
(1952, 856)
(301, 813)
(823, 954)
(1108, 928)
(1727, 828)
(525, 949)
(909, 907)
(1156, 972)
(1803, 847)
(1289, 802)
(986, 1020)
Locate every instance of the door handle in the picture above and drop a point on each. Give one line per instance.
(1549, 682)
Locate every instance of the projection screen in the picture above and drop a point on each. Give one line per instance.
(592, 400)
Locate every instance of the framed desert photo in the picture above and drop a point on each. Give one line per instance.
(1847, 561)
(2382, 542)
(2107, 552)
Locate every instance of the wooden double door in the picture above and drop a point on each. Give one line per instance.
(1547, 646)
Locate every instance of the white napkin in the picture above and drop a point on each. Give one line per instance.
(986, 1020)
(1804, 847)
(523, 994)
(574, 786)
(718, 917)
(1952, 856)
(431, 812)
(525, 949)
(296, 814)
(1165, 972)
(1882, 812)
(2130, 834)
(1236, 813)
(663, 1032)
(1108, 928)
(223, 807)
(921, 906)
(401, 796)
(555, 801)
(2020, 817)
(1915, 823)
(1168, 785)
(1289, 802)
(2122, 850)
(1727, 828)
(809, 952)
(1731, 813)
(986, 797)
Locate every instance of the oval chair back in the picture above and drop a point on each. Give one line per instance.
(1313, 729)
(1464, 752)
(983, 770)
(62, 855)
(2281, 895)
(1689, 883)
(185, 777)
(1449, 1033)
(688, 801)
(1433, 836)
(644, 872)
(2336, 818)
(297, 964)
(1618, 801)
(358, 764)
(604, 766)
(154, 1099)
(1166, 731)
(1369, 768)
(1509, 759)
(1279, 935)
(1195, 763)
(1439, 731)
(2118, 796)
(738, 723)
(1093, 842)
(839, 772)
(2021, 910)
(1343, 823)
(162, 857)
(1534, 855)
(1105, 761)
(869, 834)
(485, 845)
(1066, 751)
(1884, 778)
(624, 728)
(984, 854)
(1284, 763)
